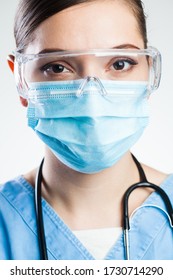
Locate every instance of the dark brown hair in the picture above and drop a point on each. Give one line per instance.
(31, 13)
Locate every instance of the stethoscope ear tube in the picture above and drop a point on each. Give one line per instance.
(39, 214)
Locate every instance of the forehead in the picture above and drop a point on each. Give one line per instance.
(96, 24)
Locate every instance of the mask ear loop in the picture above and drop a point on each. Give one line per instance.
(88, 80)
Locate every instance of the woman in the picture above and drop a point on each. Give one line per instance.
(84, 72)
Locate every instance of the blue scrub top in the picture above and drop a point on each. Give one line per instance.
(151, 237)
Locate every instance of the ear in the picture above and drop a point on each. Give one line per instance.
(24, 101)
(10, 61)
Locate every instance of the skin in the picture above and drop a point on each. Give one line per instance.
(90, 201)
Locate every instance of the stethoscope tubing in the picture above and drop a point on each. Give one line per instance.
(39, 214)
(126, 224)
(146, 184)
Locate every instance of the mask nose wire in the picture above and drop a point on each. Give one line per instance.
(87, 80)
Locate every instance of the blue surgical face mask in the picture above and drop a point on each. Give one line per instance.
(88, 124)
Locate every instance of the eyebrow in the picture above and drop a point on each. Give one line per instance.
(50, 50)
(123, 46)
(126, 46)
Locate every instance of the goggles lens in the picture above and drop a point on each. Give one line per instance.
(115, 65)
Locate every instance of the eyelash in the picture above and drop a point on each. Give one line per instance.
(46, 68)
(125, 60)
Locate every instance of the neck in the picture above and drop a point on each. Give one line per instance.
(87, 200)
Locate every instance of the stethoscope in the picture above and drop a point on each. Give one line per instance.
(126, 225)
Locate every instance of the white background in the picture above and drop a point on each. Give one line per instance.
(20, 150)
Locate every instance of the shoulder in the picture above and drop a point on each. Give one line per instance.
(16, 204)
(154, 176)
(13, 192)
(17, 218)
(14, 185)
(9, 186)
(163, 180)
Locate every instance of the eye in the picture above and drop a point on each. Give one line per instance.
(54, 69)
(123, 64)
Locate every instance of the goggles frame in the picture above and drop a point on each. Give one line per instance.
(152, 52)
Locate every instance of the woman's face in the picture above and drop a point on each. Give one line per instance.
(96, 25)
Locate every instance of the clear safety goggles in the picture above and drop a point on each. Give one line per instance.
(131, 65)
